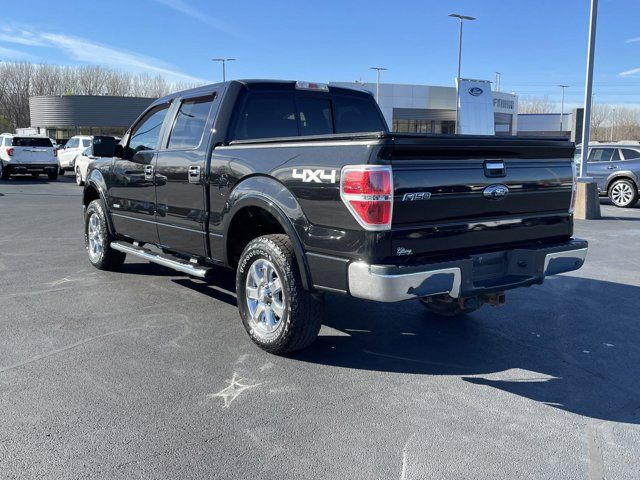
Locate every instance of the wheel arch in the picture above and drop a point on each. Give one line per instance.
(95, 188)
(624, 175)
(265, 194)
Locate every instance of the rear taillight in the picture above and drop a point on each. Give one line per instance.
(367, 191)
(574, 188)
(10, 152)
(55, 152)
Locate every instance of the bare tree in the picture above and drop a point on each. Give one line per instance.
(535, 105)
(19, 81)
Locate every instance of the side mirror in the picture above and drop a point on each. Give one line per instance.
(104, 146)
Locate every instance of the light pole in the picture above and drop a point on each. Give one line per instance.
(587, 202)
(562, 106)
(498, 75)
(462, 18)
(378, 70)
(224, 66)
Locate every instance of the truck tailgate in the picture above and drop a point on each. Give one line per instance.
(449, 192)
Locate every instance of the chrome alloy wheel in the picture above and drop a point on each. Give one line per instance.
(264, 297)
(95, 235)
(621, 193)
(78, 176)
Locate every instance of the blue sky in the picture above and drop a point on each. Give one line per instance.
(535, 44)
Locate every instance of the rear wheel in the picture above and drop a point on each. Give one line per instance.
(623, 193)
(98, 239)
(61, 171)
(79, 180)
(277, 312)
(4, 172)
(451, 307)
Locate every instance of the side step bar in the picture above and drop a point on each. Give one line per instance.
(161, 259)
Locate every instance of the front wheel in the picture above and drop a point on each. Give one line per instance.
(277, 312)
(61, 171)
(623, 193)
(79, 180)
(4, 172)
(53, 176)
(98, 239)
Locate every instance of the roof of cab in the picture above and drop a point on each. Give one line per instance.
(253, 84)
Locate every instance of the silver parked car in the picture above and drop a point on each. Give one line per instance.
(616, 168)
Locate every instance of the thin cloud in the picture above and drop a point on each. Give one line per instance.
(86, 51)
(186, 9)
(632, 40)
(628, 73)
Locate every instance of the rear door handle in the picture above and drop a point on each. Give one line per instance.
(148, 172)
(194, 174)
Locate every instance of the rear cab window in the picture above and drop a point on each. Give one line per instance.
(292, 112)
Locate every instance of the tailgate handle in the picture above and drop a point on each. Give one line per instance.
(494, 168)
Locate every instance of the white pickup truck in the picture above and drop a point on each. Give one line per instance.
(24, 154)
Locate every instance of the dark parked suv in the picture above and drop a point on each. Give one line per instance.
(301, 189)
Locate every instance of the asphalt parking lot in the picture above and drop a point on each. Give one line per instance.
(149, 374)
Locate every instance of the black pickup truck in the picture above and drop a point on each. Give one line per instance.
(302, 189)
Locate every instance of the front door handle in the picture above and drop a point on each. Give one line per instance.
(194, 174)
(612, 167)
(148, 172)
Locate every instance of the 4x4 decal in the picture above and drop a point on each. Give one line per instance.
(309, 175)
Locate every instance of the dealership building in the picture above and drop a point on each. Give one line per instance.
(432, 109)
(62, 117)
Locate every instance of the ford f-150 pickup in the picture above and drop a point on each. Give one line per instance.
(302, 189)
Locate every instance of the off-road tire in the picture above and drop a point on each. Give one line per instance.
(631, 196)
(449, 308)
(110, 259)
(303, 311)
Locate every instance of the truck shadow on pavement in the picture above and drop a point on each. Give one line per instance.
(573, 344)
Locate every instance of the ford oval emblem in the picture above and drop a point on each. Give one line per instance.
(475, 91)
(496, 192)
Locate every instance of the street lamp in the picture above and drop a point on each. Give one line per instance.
(587, 202)
(224, 64)
(462, 18)
(562, 105)
(378, 69)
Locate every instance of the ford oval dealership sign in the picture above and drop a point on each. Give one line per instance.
(475, 104)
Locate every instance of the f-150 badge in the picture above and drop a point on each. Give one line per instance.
(309, 175)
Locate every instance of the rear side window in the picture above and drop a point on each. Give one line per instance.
(189, 124)
(72, 143)
(630, 154)
(355, 114)
(145, 134)
(31, 142)
(85, 143)
(267, 115)
(315, 116)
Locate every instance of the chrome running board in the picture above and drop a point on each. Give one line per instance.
(183, 266)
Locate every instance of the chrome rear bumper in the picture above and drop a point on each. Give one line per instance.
(464, 277)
